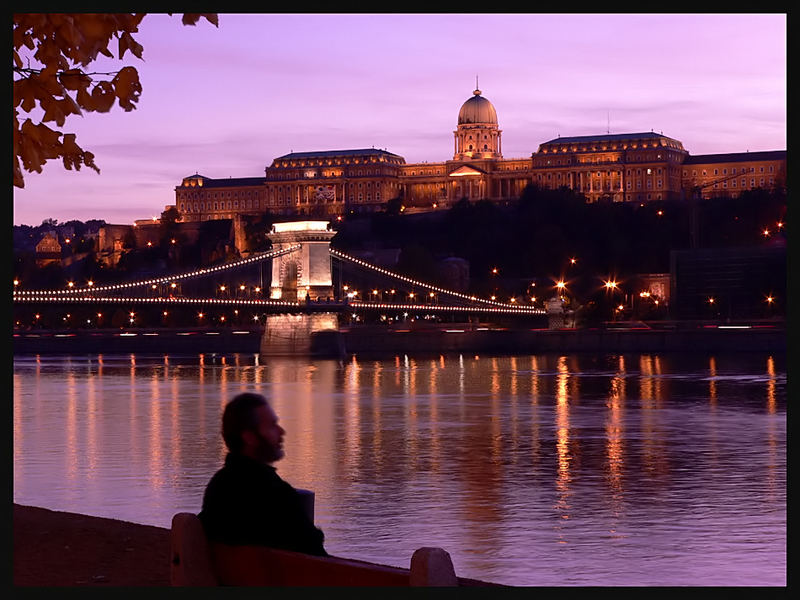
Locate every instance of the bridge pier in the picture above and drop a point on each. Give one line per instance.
(313, 334)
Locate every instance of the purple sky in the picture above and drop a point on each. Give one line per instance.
(226, 101)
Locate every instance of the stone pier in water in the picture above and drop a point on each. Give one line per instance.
(315, 334)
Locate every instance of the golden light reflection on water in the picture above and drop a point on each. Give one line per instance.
(439, 444)
(73, 444)
(772, 432)
(654, 437)
(564, 458)
(712, 381)
(536, 441)
(615, 432)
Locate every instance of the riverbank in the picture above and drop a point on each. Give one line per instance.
(53, 548)
(441, 338)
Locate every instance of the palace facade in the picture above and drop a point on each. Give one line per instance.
(633, 167)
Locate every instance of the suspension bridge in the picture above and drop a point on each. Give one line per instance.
(313, 288)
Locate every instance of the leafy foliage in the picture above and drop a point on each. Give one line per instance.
(61, 45)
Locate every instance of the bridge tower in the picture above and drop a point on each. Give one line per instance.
(306, 270)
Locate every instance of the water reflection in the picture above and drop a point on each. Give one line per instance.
(535, 470)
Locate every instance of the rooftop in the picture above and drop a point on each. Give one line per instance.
(736, 157)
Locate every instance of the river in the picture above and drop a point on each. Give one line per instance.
(535, 470)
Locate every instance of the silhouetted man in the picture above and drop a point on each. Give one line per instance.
(246, 502)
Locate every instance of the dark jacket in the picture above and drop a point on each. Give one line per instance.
(247, 503)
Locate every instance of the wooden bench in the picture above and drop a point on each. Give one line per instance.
(196, 562)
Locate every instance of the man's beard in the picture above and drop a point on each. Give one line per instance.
(266, 451)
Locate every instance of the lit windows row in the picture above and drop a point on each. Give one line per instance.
(770, 169)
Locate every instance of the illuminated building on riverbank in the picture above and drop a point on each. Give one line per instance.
(629, 167)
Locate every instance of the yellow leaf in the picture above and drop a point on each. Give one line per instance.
(103, 96)
(127, 87)
(53, 111)
(126, 42)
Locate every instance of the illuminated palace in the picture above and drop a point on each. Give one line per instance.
(633, 167)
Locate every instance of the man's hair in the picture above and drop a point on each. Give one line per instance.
(240, 416)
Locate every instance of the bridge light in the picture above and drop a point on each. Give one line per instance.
(70, 284)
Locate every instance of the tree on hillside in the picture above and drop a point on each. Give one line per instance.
(51, 51)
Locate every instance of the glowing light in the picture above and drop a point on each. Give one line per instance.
(561, 285)
(300, 226)
(611, 284)
(766, 233)
(711, 300)
(770, 299)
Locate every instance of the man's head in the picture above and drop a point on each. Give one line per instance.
(250, 427)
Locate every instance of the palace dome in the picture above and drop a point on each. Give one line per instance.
(477, 110)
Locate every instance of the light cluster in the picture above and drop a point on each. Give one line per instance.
(428, 286)
(151, 282)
